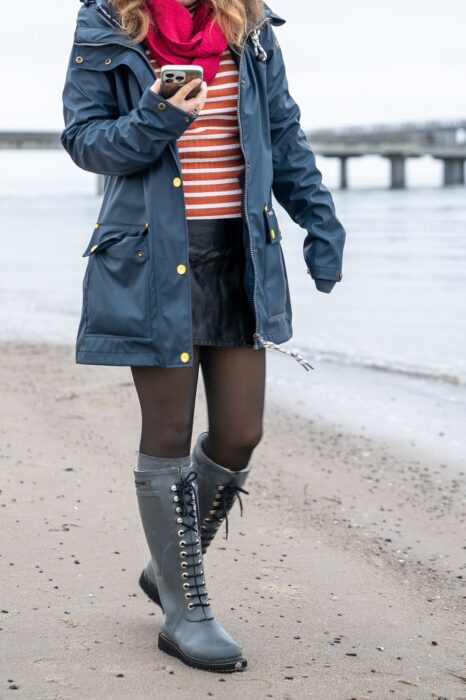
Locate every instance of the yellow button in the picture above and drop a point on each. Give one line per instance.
(272, 233)
(265, 208)
(181, 269)
(177, 181)
(79, 59)
(97, 226)
(184, 357)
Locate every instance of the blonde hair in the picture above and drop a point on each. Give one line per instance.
(234, 17)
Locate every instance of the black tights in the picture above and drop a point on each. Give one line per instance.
(234, 380)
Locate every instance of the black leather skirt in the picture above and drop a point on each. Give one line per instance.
(221, 312)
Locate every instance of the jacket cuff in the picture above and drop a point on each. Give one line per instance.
(325, 273)
(175, 120)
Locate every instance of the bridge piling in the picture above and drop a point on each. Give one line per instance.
(344, 172)
(453, 171)
(397, 172)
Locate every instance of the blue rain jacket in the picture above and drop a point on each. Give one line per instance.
(136, 288)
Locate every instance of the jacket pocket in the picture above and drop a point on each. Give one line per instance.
(274, 265)
(116, 291)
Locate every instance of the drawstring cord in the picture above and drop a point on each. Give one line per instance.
(260, 52)
(293, 353)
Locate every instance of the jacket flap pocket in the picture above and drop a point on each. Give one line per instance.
(274, 233)
(106, 235)
(109, 57)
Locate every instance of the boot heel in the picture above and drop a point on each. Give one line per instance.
(149, 589)
(168, 647)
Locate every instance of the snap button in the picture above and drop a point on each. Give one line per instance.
(108, 61)
(140, 253)
(94, 247)
(79, 59)
(272, 233)
(176, 181)
(162, 105)
(184, 357)
(97, 226)
(265, 208)
(181, 269)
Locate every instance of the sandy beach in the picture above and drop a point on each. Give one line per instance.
(343, 579)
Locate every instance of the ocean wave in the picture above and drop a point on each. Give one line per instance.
(391, 366)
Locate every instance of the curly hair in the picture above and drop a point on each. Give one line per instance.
(234, 17)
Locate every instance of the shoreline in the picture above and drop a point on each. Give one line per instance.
(344, 578)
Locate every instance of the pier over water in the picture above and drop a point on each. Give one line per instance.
(444, 140)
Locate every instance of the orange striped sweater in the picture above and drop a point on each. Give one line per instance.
(210, 153)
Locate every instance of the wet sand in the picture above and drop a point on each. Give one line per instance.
(344, 578)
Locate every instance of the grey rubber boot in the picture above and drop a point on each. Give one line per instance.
(169, 509)
(218, 488)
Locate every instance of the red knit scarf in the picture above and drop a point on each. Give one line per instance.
(178, 37)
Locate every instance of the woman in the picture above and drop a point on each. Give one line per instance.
(185, 265)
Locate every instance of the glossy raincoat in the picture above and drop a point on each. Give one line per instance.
(136, 289)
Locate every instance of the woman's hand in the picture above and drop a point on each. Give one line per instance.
(194, 104)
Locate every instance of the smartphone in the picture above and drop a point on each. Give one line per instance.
(174, 77)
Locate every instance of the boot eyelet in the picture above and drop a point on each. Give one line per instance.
(176, 498)
(182, 543)
(211, 512)
(197, 542)
(184, 564)
(203, 527)
(184, 574)
(190, 606)
(201, 572)
(187, 596)
(198, 551)
(179, 520)
(180, 533)
(200, 561)
(177, 509)
(221, 488)
(216, 503)
(183, 554)
(186, 586)
(173, 487)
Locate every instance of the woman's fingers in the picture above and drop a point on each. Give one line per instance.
(179, 98)
(155, 87)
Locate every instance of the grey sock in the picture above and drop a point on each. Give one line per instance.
(148, 462)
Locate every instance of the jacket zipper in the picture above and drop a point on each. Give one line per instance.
(245, 201)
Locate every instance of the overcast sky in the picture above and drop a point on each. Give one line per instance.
(348, 62)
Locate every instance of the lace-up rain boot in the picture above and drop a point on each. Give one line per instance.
(169, 509)
(218, 487)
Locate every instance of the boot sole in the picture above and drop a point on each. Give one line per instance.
(216, 666)
(150, 590)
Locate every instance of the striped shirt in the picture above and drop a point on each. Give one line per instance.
(209, 149)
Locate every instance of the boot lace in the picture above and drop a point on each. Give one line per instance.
(222, 504)
(187, 510)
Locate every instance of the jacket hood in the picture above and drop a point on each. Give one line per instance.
(98, 22)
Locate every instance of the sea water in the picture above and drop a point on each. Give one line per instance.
(388, 343)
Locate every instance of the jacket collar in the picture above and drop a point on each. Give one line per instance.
(274, 18)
